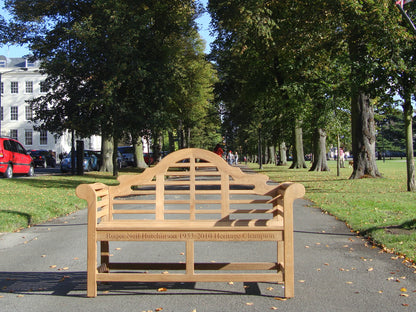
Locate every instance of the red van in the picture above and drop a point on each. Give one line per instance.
(14, 159)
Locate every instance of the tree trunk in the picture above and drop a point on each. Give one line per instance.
(410, 163)
(138, 153)
(106, 154)
(171, 142)
(188, 137)
(114, 158)
(260, 156)
(282, 154)
(363, 137)
(181, 143)
(266, 155)
(298, 154)
(319, 151)
(272, 154)
(156, 146)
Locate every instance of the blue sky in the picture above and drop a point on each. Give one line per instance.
(19, 51)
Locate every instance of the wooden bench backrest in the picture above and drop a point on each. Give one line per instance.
(190, 184)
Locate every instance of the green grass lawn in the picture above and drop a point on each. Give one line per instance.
(381, 209)
(26, 201)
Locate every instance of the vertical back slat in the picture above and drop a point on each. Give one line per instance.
(160, 196)
(225, 195)
(192, 189)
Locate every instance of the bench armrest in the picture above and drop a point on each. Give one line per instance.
(98, 200)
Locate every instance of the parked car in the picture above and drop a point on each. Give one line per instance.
(128, 154)
(43, 158)
(90, 162)
(121, 161)
(14, 159)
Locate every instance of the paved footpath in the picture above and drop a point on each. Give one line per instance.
(43, 268)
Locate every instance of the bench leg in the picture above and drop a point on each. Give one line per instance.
(190, 257)
(285, 260)
(92, 267)
(289, 273)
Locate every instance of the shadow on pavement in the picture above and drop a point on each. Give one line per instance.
(74, 284)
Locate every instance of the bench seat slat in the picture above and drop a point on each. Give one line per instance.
(197, 225)
(198, 211)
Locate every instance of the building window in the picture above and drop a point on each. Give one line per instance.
(14, 113)
(28, 137)
(13, 134)
(29, 86)
(43, 87)
(43, 137)
(28, 112)
(2, 63)
(14, 87)
(1, 113)
(2, 87)
(29, 63)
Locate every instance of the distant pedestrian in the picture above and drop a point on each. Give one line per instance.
(341, 158)
(230, 158)
(218, 150)
(236, 158)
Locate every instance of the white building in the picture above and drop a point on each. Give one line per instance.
(22, 81)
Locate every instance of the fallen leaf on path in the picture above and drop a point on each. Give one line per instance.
(53, 266)
(249, 303)
(403, 289)
(370, 269)
(280, 299)
(162, 289)
(158, 309)
(273, 308)
(270, 288)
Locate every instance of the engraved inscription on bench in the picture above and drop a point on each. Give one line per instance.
(198, 236)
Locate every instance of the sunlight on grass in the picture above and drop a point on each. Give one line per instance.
(372, 207)
(27, 201)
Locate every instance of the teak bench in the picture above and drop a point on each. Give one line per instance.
(191, 195)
